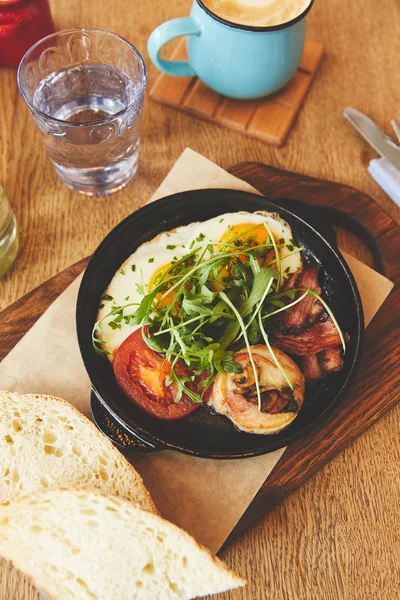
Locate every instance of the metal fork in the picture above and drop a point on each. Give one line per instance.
(396, 127)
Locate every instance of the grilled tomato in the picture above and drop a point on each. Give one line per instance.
(141, 374)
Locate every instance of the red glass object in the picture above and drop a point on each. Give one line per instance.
(22, 23)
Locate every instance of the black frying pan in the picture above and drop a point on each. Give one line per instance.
(202, 433)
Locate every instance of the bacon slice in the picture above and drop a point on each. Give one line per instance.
(234, 394)
(317, 366)
(311, 368)
(307, 331)
(332, 360)
(306, 312)
(317, 338)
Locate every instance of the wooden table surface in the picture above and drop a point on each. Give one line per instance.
(338, 537)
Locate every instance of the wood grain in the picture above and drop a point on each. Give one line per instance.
(369, 398)
(336, 537)
(269, 120)
(376, 388)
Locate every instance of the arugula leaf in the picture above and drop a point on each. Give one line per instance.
(195, 306)
(255, 267)
(152, 343)
(230, 334)
(144, 308)
(205, 295)
(230, 366)
(260, 283)
(182, 388)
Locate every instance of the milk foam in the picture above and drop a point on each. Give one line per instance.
(257, 13)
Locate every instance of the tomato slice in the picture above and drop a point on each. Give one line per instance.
(141, 373)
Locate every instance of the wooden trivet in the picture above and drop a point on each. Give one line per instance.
(269, 119)
(376, 387)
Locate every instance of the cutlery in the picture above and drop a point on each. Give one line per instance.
(381, 142)
(396, 127)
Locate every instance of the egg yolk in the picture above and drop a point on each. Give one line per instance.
(244, 234)
(160, 275)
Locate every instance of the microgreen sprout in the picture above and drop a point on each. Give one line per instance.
(276, 361)
(277, 255)
(246, 340)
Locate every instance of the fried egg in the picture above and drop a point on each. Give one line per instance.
(143, 269)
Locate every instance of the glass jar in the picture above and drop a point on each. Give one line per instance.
(22, 24)
(8, 235)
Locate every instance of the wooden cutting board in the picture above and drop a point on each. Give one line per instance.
(365, 231)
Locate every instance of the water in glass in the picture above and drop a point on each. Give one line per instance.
(102, 156)
(8, 235)
(88, 112)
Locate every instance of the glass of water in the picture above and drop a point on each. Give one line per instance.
(85, 89)
(8, 235)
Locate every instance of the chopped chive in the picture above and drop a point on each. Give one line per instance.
(133, 267)
(151, 260)
(171, 246)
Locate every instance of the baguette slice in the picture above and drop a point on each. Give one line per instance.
(85, 545)
(45, 443)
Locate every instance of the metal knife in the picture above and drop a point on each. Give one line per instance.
(376, 138)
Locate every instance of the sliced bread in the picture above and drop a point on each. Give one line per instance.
(45, 443)
(85, 545)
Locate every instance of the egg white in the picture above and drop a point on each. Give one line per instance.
(172, 245)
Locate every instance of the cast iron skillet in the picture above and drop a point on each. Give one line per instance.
(203, 433)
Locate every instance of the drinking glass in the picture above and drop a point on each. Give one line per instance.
(84, 89)
(8, 235)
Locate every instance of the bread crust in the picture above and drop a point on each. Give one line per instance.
(116, 457)
(152, 520)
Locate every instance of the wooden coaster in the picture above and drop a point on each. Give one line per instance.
(267, 119)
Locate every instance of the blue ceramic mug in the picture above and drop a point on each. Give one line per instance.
(235, 60)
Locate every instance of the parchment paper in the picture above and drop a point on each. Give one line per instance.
(205, 497)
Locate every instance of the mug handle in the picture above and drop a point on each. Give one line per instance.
(165, 33)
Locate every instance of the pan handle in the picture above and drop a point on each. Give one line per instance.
(322, 218)
(313, 215)
(347, 221)
(116, 432)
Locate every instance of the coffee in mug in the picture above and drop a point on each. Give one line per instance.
(257, 13)
(240, 48)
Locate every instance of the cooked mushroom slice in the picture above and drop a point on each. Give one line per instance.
(235, 395)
